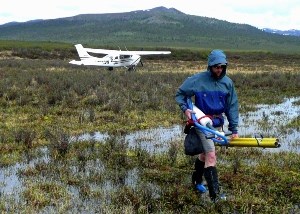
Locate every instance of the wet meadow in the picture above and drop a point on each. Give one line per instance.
(79, 139)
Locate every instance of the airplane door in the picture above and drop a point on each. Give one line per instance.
(116, 60)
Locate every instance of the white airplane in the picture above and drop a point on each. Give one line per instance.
(112, 58)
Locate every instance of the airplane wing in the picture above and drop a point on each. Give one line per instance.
(119, 52)
(116, 52)
(144, 52)
(101, 51)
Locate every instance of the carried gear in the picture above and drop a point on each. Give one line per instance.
(219, 137)
(193, 143)
(203, 119)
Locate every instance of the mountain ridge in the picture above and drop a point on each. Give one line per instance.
(290, 32)
(158, 26)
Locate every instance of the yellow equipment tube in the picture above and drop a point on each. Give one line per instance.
(254, 142)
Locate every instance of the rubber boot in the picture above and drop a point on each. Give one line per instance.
(197, 176)
(211, 177)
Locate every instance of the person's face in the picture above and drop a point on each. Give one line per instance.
(218, 69)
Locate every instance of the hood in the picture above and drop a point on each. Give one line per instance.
(217, 57)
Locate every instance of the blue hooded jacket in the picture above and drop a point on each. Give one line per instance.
(213, 95)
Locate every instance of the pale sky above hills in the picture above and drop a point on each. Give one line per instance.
(276, 14)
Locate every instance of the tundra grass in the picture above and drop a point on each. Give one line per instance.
(45, 103)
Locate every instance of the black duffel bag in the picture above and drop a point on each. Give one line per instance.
(192, 143)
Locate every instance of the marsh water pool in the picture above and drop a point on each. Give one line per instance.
(267, 120)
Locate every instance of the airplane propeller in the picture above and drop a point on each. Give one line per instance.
(141, 59)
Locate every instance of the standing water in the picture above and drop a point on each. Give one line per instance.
(267, 120)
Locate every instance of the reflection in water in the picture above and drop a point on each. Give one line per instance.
(10, 182)
(266, 121)
(151, 140)
(9, 179)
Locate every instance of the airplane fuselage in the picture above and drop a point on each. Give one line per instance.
(110, 61)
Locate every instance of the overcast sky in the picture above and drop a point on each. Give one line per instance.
(276, 14)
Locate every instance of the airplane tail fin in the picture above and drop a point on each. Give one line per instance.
(83, 54)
